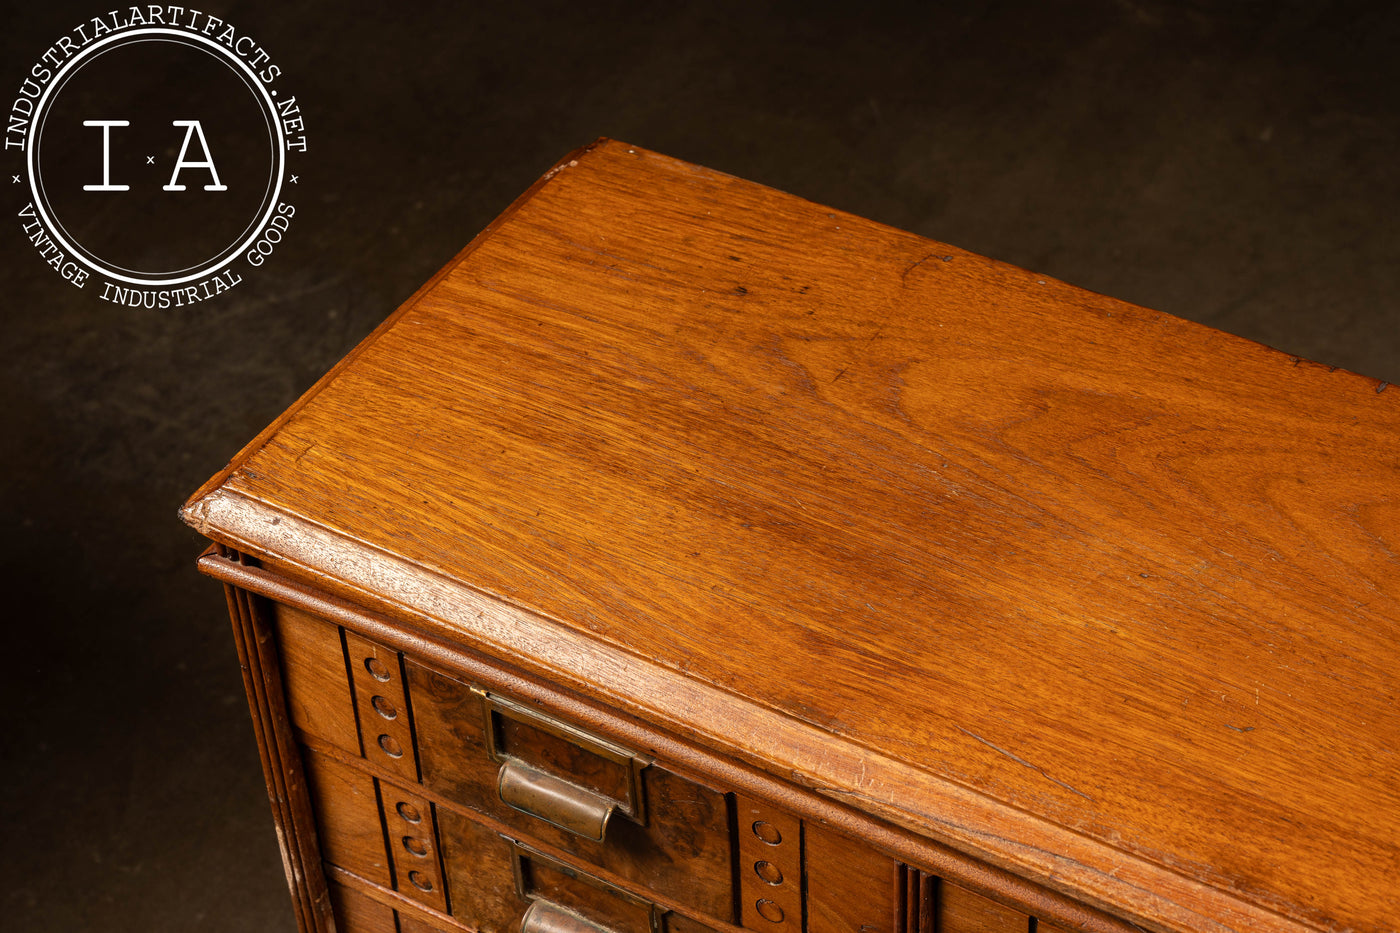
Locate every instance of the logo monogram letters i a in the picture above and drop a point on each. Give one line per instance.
(192, 129)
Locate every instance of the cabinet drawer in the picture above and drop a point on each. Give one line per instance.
(560, 896)
(390, 852)
(521, 766)
(562, 786)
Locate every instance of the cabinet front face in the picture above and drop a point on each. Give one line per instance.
(440, 804)
(484, 809)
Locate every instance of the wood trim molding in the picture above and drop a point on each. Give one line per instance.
(282, 767)
(398, 902)
(915, 906)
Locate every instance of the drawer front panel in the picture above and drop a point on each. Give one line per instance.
(317, 683)
(544, 778)
(356, 913)
(480, 875)
(488, 883)
(348, 821)
(961, 911)
(667, 834)
(554, 889)
(543, 753)
(849, 886)
(566, 900)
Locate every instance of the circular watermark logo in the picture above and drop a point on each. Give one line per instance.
(157, 150)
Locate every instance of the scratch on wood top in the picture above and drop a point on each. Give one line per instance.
(1022, 761)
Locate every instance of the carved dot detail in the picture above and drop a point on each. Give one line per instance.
(416, 846)
(383, 707)
(409, 812)
(376, 669)
(767, 832)
(421, 881)
(768, 872)
(391, 747)
(769, 911)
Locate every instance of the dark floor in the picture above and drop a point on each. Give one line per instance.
(1233, 163)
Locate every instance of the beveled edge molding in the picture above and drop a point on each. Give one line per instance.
(971, 838)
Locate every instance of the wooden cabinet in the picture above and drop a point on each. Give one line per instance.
(689, 557)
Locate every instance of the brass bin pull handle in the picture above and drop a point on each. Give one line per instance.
(554, 800)
(544, 917)
(548, 914)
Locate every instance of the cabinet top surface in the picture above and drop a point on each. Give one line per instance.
(1009, 547)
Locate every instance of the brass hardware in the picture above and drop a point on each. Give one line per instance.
(546, 916)
(553, 798)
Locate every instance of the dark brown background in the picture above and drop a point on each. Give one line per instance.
(1232, 163)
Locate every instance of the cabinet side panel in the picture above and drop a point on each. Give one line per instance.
(256, 643)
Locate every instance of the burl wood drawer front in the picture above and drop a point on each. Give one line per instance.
(523, 767)
(565, 788)
(391, 852)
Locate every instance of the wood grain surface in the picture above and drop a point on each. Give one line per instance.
(355, 913)
(317, 684)
(347, 818)
(1128, 581)
(961, 911)
(848, 885)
